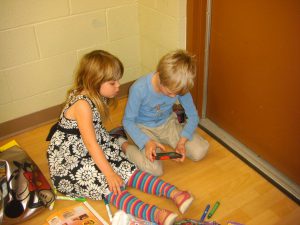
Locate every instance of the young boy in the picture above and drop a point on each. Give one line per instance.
(149, 119)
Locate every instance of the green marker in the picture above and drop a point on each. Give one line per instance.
(212, 211)
(80, 199)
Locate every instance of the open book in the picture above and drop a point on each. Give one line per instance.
(79, 214)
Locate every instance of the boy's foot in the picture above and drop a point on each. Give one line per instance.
(165, 217)
(183, 200)
(118, 132)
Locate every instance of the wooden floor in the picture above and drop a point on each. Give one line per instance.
(245, 196)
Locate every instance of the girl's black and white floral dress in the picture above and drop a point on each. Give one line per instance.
(72, 170)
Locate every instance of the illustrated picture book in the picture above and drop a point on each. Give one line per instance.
(79, 214)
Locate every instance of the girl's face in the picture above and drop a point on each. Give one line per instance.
(110, 89)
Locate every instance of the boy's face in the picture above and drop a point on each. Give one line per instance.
(166, 91)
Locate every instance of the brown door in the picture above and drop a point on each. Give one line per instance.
(254, 75)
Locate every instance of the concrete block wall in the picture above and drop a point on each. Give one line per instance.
(162, 29)
(42, 41)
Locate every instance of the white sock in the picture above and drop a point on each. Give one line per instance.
(121, 141)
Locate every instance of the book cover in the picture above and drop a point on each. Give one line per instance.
(79, 214)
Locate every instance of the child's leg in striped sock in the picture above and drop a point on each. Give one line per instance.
(154, 185)
(131, 205)
(151, 184)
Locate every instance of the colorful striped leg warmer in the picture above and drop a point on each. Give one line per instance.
(146, 183)
(150, 184)
(130, 204)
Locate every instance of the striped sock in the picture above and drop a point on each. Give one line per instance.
(150, 184)
(131, 205)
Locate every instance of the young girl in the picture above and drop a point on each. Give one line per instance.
(85, 161)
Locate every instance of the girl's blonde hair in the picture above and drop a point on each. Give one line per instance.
(177, 71)
(94, 69)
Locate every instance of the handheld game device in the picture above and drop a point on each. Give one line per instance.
(167, 155)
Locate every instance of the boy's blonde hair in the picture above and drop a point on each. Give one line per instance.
(94, 69)
(177, 71)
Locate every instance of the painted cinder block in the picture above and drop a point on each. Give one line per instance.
(149, 3)
(69, 34)
(17, 46)
(162, 29)
(81, 52)
(127, 50)
(79, 6)
(149, 53)
(131, 73)
(41, 76)
(174, 8)
(32, 104)
(5, 94)
(37, 37)
(16, 13)
(122, 21)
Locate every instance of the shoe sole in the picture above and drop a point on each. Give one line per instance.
(170, 219)
(185, 205)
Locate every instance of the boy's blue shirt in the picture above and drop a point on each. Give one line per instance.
(152, 109)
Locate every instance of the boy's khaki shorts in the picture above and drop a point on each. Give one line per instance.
(169, 134)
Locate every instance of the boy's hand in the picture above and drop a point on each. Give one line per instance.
(180, 148)
(150, 149)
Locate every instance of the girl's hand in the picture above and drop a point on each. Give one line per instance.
(114, 182)
(150, 149)
(180, 148)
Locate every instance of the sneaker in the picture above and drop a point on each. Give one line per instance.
(118, 132)
(166, 217)
(183, 200)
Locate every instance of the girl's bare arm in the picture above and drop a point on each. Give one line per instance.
(83, 115)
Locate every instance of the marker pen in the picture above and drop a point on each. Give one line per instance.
(204, 213)
(211, 213)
